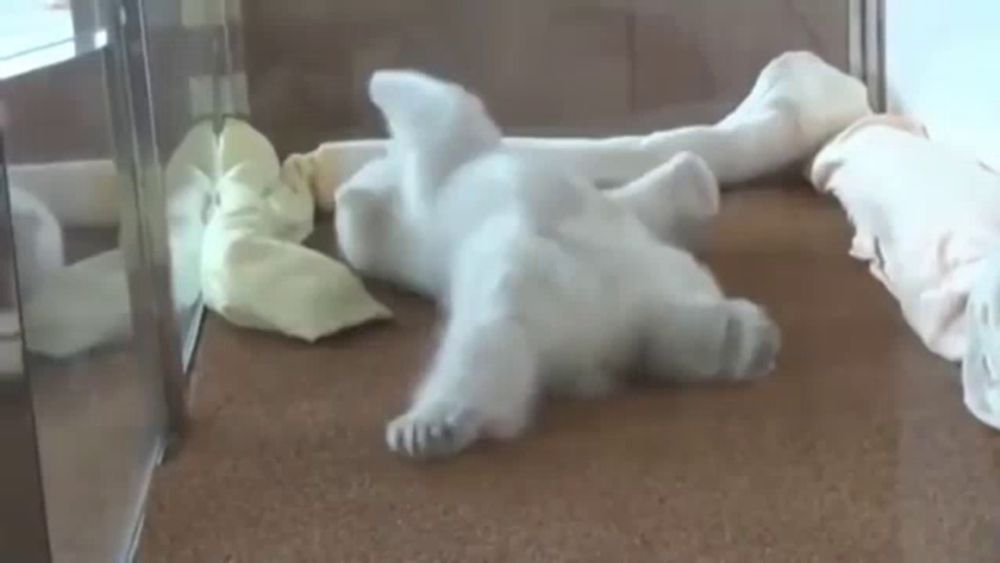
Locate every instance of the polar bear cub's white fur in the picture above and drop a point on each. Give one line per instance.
(550, 285)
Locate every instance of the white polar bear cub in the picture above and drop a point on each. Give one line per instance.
(550, 285)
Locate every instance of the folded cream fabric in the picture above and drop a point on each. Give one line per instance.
(925, 218)
(797, 103)
(254, 270)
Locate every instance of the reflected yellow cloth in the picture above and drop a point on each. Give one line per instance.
(254, 270)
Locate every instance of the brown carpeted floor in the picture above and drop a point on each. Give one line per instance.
(858, 449)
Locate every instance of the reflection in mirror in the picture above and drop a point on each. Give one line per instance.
(191, 85)
(91, 265)
(22, 520)
(96, 391)
(83, 305)
(188, 176)
(77, 306)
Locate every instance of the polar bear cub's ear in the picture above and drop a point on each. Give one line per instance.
(435, 125)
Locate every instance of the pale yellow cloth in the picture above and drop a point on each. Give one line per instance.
(254, 270)
(242, 254)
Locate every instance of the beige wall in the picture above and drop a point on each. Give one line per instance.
(542, 65)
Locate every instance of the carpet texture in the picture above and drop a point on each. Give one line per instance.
(857, 449)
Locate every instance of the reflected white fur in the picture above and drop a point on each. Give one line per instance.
(550, 285)
(38, 240)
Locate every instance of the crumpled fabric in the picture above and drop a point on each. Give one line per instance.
(235, 224)
(926, 218)
(254, 270)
